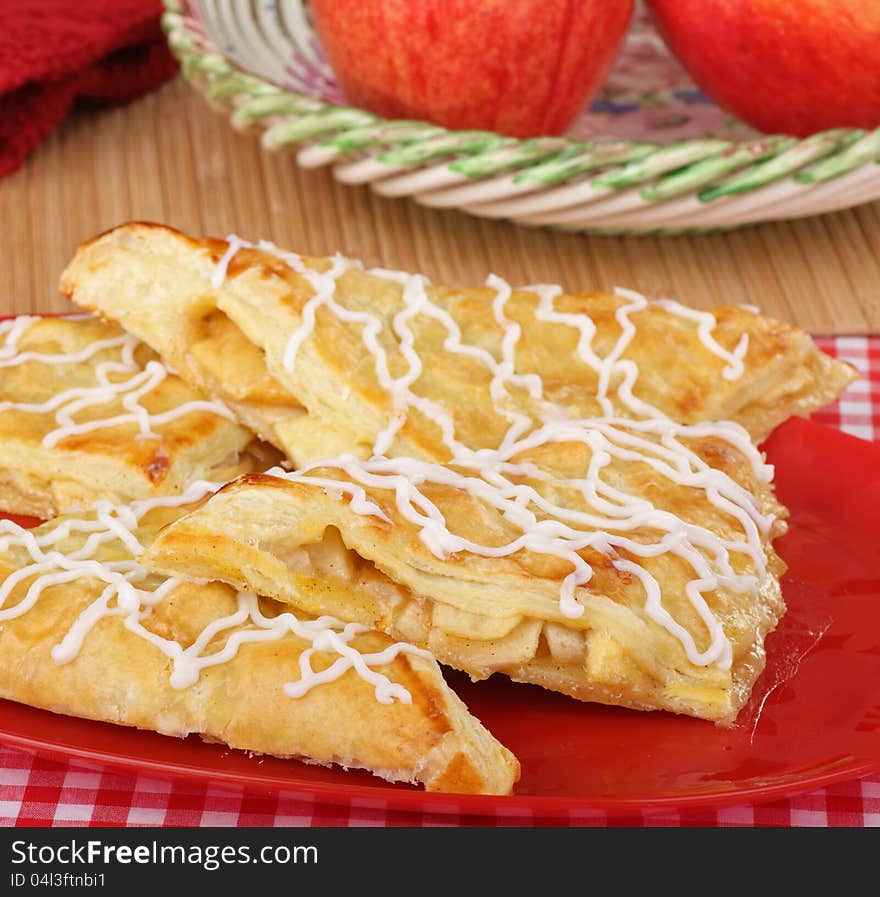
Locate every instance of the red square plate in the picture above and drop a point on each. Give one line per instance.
(814, 717)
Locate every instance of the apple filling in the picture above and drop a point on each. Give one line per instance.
(326, 574)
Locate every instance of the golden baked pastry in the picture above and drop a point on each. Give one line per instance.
(385, 363)
(629, 563)
(88, 412)
(86, 631)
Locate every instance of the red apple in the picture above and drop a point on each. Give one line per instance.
(783, 66)
(519, 67)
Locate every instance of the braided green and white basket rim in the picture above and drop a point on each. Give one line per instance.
(598, 186)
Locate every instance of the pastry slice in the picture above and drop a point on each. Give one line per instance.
(630, 564)
(89, 412)
(385, 363)
(86, 631)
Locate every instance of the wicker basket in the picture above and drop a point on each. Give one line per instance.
(651, 154)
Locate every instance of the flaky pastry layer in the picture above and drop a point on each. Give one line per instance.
(333, 372)
(303, 543)
(118, 676)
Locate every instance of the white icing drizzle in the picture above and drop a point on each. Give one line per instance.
(706, 323)
(9, 357)
(12, 329)
(126, 595)
(644, 434)
(233, 244)
(551, 528)
(64, 405)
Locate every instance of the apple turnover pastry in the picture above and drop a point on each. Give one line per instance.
(384, 363)
(89, 412)
(85, 630)
(625, 562)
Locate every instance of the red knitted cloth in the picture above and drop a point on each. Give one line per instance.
(53, 52)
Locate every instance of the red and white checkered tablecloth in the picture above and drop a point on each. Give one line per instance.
(37, 791)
